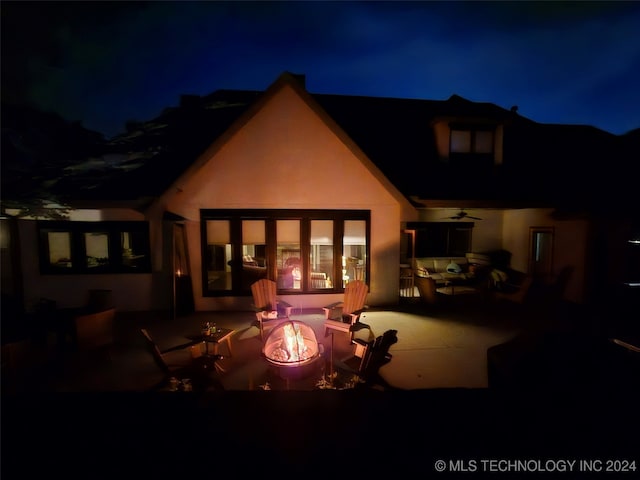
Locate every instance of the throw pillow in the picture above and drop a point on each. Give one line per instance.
(453, 267)
(422, 272)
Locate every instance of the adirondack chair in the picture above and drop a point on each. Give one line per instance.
(265, 301)
(344, 316)
(369, 357)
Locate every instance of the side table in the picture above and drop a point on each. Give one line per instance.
(221, 334)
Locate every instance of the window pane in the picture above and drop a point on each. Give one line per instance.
(302, 256)
(59, 249)
(484, 141)
(133, 246)
(91, 247)
(97, 249)
(288, 255)
(253, 252)
(354, 247)
(460, 141)
(321, 254)
(218, 255)
(459, 241)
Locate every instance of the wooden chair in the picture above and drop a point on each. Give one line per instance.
(427, 290)
(517, 294)
(265, 301)
(179, 362)
(344, 316)
(369, 357)
(87, 327)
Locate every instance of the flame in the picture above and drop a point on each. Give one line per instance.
(294, 343)
(288, 345)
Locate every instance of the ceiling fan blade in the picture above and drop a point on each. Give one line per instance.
(460, 215)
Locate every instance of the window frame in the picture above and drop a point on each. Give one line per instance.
(77, 231)
(473, 131)
(472, 158)
(271, 216)
(437, 239)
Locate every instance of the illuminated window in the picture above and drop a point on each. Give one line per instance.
(354, 248)
(59, 251)
(288, 254)
(302, 250)
(321, 254)
(94, 247)
(217, 255)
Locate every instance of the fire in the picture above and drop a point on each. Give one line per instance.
(290, 346)
(294, 343)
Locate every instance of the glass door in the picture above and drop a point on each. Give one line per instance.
(541, 252)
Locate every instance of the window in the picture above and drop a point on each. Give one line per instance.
(354, 246)
(322, 254)
(94, 247)
(441, 239)
(471, 141)
(304, 251)
(288, 254)
(471, 146)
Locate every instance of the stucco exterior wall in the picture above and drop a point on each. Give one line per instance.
(130, 292)
(570, 245)
(487, 233)
(285, 157)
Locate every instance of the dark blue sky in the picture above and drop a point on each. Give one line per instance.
(105, 63)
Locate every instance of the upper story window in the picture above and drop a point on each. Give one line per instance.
(470, 140)
(94, 247)
(471, 146)
(304, 251)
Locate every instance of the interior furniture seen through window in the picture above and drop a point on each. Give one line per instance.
(304, 251)
(68, 247)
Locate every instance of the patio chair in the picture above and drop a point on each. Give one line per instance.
(344, 316)
(427, 290)
(265, 302)
(369, 357)
(515, 293)
(180, 363)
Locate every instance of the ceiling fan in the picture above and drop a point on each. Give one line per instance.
(462, 214)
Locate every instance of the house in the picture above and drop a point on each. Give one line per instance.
(313, 190)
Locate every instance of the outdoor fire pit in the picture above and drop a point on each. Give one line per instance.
(291, 347)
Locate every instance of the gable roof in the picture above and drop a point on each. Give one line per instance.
(293, 81)
(395, 135)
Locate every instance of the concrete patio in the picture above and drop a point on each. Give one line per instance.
(443, 348)
(99, 403)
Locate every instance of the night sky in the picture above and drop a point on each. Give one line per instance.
(106, 63)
